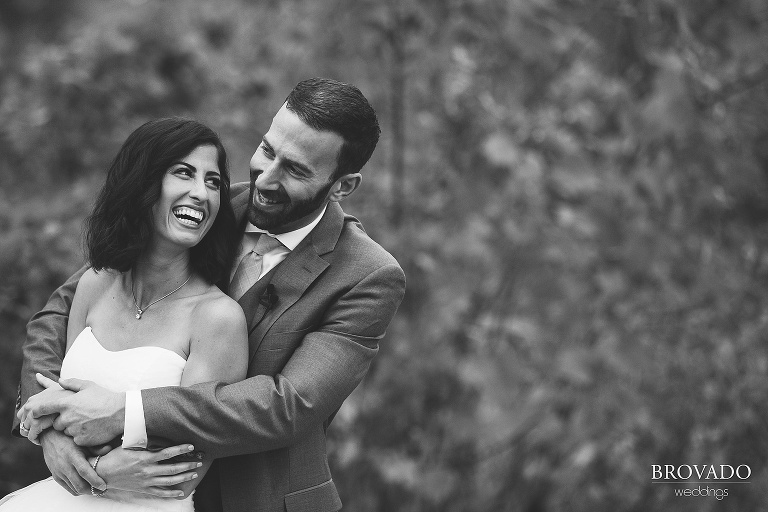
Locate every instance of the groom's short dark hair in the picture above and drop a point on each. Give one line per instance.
(120, 226)
(326, 104)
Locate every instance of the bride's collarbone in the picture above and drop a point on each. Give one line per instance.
(168, 323)
(165, 309)
(166, 327)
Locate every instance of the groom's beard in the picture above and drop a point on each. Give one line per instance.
(290, 212)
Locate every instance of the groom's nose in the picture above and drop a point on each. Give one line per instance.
(266, 174)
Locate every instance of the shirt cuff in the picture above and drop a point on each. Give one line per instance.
(135, 433)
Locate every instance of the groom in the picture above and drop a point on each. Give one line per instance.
(316, 311)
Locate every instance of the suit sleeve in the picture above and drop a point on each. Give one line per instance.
(46, 342)
(263, 412)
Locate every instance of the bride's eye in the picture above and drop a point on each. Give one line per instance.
(214, 182)
(182, 171)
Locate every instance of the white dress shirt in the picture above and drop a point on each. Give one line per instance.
(135, 430)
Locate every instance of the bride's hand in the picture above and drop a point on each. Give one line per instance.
(141, 471)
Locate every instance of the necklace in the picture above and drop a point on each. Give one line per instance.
(140, 311)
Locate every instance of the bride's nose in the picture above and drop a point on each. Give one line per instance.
(198, 190)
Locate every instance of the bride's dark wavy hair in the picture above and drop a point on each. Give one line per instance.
(119, 229)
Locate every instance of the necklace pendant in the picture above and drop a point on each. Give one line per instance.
(140, 311)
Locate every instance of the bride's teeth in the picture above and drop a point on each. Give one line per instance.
(195, 217)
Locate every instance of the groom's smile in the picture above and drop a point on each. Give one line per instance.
(292, 173)
(267, 198)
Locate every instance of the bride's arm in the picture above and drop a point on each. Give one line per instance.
(218, 352)
(218, 348)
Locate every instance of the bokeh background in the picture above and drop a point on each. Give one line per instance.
(577, 190)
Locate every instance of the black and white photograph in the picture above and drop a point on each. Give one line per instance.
(383, 256)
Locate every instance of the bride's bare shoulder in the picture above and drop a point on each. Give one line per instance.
(219, 338)
(217, 310)
(94, 282)
(92, 288)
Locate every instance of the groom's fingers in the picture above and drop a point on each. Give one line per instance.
(66, 485)
(46, 382)
(37, 426)
(73, 384)
(89, 474)
(39, 406)
(70, 480)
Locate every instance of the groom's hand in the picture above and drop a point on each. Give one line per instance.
(31, 427)
(68, 464)
(92, 415)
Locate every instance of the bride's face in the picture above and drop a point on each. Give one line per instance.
(189, 198)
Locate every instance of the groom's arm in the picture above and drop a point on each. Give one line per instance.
(46, 342)
(263, 412)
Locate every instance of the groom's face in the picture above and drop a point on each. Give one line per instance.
(291, 174)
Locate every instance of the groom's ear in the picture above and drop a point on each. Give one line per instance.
(344, 186)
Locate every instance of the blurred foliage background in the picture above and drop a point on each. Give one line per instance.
(577, 190)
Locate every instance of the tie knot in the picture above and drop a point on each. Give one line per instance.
(266, 243)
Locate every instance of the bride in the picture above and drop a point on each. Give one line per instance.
(147, 313)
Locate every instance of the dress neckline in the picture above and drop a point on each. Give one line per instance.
(93, 337)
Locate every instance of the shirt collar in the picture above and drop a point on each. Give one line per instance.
(292, 238)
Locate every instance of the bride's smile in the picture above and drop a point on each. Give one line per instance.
(189, 215)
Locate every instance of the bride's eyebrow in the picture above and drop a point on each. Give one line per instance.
(185, 164)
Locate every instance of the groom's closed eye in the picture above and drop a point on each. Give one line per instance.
(267, 149)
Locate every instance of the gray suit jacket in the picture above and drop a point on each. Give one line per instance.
(314, 325)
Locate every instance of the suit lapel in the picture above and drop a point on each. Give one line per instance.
(256, 302)
(298, 271)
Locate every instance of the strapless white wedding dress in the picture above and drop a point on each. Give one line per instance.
(123, 370)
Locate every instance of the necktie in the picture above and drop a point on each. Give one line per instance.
(249, 270)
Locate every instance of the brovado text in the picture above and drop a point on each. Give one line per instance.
(700, 471)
